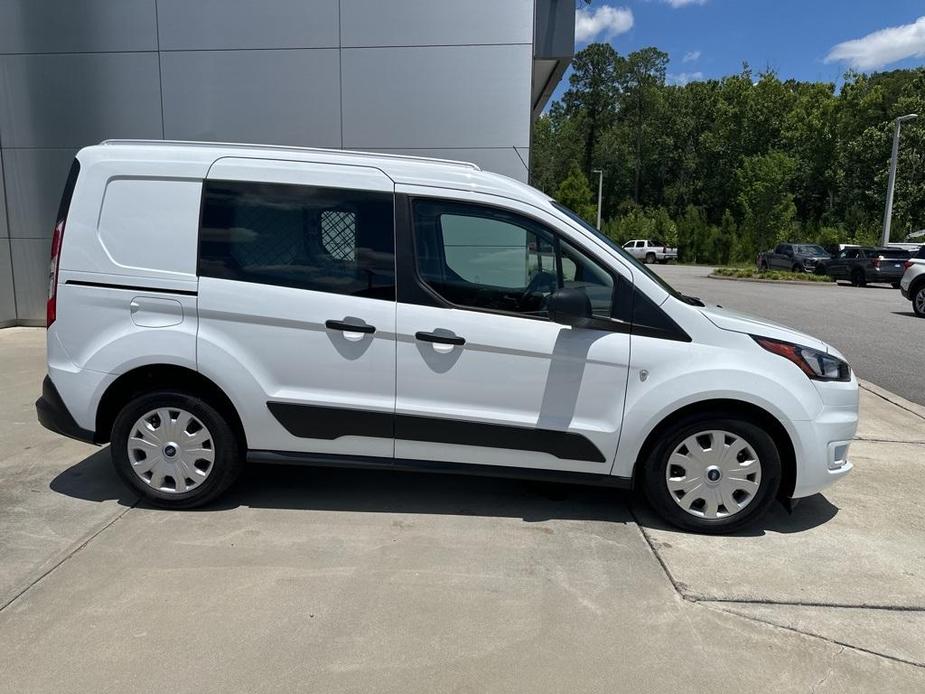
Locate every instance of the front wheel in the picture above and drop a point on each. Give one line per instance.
(175, 449)
(713, 474)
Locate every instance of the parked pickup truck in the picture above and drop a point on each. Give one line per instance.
(795, 257)
(650, 251)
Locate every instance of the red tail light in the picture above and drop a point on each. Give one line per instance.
(907, 264)
(51, 308)
(876, 263)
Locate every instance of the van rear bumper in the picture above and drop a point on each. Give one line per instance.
(53, 415)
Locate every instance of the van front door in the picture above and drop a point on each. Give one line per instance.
(484, 377)
(297, 303)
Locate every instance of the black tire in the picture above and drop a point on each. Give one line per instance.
(796, 269)
(228, 456)
(858, 279)
(650, 258)
(656, 488)
(895, 285)
(762, 266)
(918, 299)
(820, 270)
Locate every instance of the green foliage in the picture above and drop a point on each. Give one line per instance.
(726, 168)
(575, 193)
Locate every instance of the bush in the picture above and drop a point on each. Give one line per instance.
(752, 273)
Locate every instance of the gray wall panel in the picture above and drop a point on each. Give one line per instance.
(35, 179)
(72, 100)
(64, 26)
(275, 97)
(30, 258)
(237, 24)
(435, 23)
(4, 232)
(502, 160)
(458, 96)
(7, 305)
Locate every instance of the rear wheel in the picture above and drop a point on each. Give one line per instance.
(175, 449)
(650, 258)
(918, 300)
(713, 474)
(763, 266)
(857, 278)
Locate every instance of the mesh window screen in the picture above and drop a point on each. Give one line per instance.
(339, 233)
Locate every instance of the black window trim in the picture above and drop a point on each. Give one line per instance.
(412, 289)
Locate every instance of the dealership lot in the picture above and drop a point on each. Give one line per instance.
(359, 581)
(873, 326)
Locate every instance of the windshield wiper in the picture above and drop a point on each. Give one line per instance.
(692, 300)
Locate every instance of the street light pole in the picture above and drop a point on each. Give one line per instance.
(891, 184)
(600, 190)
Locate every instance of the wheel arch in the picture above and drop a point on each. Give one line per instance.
(151, 377)
(736, 409)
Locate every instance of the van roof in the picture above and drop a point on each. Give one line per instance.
(401, 168)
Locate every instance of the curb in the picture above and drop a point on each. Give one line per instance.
(893, 399)
(755, 279)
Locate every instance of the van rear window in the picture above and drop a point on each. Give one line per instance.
(322, 239)
(68, 192)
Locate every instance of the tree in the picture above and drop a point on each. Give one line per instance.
(575, 193)
(767, 204)
(591, 98)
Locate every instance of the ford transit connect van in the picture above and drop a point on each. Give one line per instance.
(214, 304)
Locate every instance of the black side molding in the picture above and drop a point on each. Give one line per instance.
(53, 415)
(329, 423)
(410, 465)
(133, 287)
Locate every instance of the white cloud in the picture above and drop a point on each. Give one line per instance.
(682, 78)
(691, 57)
(684, 3)
(881, 48)
(602, 22)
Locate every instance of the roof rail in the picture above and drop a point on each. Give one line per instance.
(290, 148)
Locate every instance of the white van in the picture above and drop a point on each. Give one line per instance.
(213, 304)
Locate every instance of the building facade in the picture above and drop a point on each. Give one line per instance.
(445, 78)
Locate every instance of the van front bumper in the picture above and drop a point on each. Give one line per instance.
(53, 415)
(822, 445)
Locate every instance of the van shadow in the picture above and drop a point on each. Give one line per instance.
(384, 491)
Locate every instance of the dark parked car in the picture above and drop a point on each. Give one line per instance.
(796, 257)
(863, 265)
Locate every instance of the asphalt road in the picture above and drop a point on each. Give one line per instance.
(873, 326)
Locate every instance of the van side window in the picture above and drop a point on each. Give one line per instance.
(485, 258)
(321, 239)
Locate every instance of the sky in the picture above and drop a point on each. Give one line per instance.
(814, 40)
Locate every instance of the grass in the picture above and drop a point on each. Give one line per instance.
(773, 275)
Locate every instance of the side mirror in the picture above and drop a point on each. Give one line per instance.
(569, 307)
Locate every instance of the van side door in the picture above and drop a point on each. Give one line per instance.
(484, 376)
(297, 303)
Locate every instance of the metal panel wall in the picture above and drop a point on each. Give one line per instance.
(426, 77)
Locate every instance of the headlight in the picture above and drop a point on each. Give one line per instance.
(819, 366)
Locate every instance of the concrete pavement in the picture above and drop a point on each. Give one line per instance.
(343, 581)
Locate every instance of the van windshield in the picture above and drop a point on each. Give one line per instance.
(626, 256)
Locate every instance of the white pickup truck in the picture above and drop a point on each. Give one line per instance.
(649, 251)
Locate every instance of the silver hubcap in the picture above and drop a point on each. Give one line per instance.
(713, 474)
(920, 300)
(170, 450)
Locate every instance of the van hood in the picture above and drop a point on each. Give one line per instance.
(750, 325)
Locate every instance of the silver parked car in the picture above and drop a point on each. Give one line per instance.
(912, 284)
